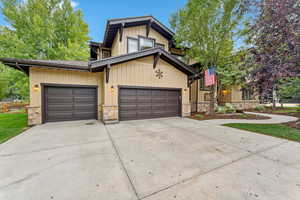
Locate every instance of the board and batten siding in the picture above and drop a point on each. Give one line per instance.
(120, 48)
(140, 72)
(65, 77)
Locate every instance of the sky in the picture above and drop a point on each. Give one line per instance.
(96, 12)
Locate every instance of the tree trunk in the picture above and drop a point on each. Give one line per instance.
(213, 99)
(274, 97)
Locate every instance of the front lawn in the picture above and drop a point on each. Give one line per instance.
(11, 124)
(276, 130)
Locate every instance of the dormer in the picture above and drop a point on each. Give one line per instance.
(128, 35)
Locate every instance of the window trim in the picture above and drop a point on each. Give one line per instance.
(249, 93)
(159, 45)
(148, 38)
(132, 38)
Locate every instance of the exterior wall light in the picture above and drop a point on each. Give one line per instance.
(224, 92)
(112, 89)
(36, 88)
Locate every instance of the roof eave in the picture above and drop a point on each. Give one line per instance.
(100, 64)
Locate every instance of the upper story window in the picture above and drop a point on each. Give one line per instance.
(160, 45)
(146, 43)
(132, 45)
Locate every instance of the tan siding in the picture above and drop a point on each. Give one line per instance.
(115, 46)
(39, 75)
(141, 73)
(119, 48)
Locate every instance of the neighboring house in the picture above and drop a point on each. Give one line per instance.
(135, 73)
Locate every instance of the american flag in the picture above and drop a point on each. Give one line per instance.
(210, 76)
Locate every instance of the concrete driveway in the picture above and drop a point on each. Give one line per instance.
(156, 159)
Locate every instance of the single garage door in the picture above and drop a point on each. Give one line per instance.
(146, 103)
(69, 103)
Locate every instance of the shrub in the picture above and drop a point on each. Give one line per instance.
(230, 108)
(221, 109)
(260, 108)
(199, 116)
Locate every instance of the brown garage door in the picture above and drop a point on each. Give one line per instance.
(69, 103)
(145, 103)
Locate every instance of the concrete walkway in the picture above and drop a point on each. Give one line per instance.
(159, 159)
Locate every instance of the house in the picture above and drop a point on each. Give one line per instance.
(135, 73)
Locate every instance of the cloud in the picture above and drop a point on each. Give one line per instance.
(74, 4)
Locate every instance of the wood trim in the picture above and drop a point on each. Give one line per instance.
(156, 59)
(147, 87)
(107, 73)
(148, 28)
(121, 32)
(43, 85)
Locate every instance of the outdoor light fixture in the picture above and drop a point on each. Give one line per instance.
(224, 91)
(112, 89)
(36, 87)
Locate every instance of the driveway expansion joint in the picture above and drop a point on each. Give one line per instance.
(122, 164)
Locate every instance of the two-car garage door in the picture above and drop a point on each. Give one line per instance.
(66, 103)
(69, 103)
(146, 103)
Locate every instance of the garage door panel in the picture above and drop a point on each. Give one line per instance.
(70, 103)
(148, 103)
(52, 92)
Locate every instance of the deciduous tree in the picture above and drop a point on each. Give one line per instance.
(207, 28)
(42, 29)
(276, 44)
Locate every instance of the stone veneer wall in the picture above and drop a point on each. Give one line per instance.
(241, 105)
(110, 113)
(34, 115)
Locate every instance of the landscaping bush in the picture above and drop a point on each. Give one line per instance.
(228, 108)
(221, 109)
(260, 108)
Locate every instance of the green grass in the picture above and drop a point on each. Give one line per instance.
(275, 130)
(199, 116)
(11, 124)
(286, 111)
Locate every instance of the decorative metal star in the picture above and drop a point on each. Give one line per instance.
(159, 73)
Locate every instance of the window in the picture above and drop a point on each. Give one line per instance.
(132, 45)
(160, 45)
(106, 54)
(146, 43)
(247, 94)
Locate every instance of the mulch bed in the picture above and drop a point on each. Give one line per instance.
(295, 124)
(227, 116)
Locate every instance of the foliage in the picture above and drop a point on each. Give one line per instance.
(11, 125)
(275, 130)
(289, 88)
(275, 38)
(40, 29)
(228, 108)
(199, 116)
(260, 108)
(205, 28)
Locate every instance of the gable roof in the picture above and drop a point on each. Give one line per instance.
(24, 64)
(99, 65)
(113, 25)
